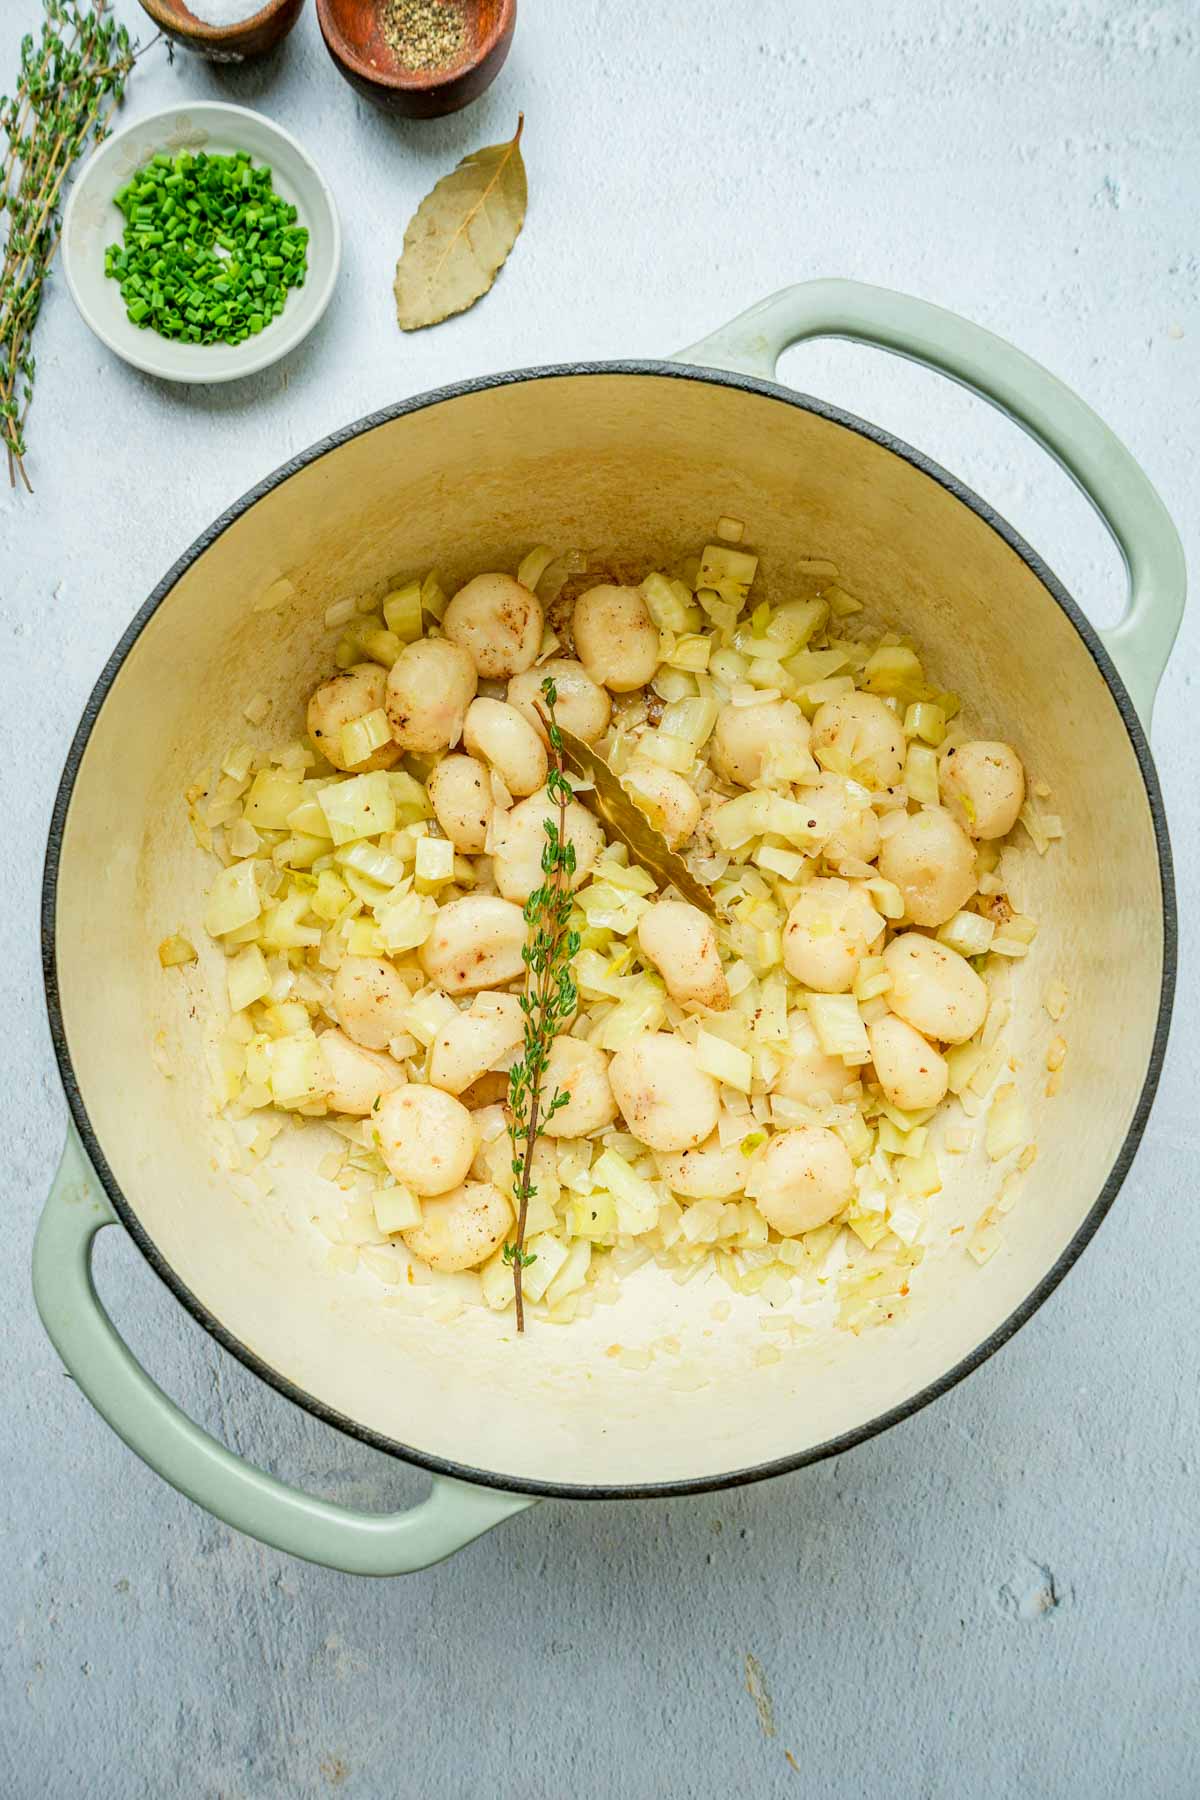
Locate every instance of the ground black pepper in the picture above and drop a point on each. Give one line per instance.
(425, 34)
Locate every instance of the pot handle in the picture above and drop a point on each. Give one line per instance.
(1042, 405)
(102, 1365)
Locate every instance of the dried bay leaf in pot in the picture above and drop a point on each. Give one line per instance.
(626, 822)
(460, 236)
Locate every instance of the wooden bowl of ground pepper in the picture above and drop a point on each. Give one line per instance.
(418, 58)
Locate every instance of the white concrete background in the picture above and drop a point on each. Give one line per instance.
(998, 1598)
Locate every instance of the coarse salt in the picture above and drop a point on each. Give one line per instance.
(225, 12)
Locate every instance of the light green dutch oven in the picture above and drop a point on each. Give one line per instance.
(637, 459)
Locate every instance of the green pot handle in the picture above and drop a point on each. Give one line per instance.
(118, 1387)
(1036, 400)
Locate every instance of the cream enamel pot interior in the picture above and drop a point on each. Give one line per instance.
(636, 459)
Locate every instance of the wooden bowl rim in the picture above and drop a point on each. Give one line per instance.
(413, 80)
(166, 18)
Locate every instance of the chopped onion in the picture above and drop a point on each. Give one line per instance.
(297, 1072)
(729, 572)
(360, 738)
(724, 1061)
(233, 900)
(434, 862)
(433, 599)
(363, 806)
(967, 932)
(339, 613)
(984, 1241)
(550, 1256)
(427, 1012)
(1043, 829)
(1055, 1000)
(248, 978)
(839, 1027)
(273, 794)
(668, 602)
(871, 979)
(690, 652)
(672, 684)
(402, 612)
(1007, 1123)
(534, 564)
(572, 1274)
(921, 775)
(176, 950)
(637, 1200)
(1014, 937)
(926, 720)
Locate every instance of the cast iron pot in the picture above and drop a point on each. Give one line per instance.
(637, 458)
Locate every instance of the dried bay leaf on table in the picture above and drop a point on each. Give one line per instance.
(613, 807)
(460, 236)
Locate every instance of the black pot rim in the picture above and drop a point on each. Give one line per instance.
(843, 1441)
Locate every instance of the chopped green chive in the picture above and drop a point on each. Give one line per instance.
(209, 249)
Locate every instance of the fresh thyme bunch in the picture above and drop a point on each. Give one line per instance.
(549, 1000)
(71, 78)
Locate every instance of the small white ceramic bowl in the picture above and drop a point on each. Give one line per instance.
(92, 222)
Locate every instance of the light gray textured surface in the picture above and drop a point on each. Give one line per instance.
(996, 1599)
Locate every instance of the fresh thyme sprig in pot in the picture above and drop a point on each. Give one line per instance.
(71, 78)
(549, 1000)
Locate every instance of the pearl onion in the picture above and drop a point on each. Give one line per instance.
(803, 1179)
(425, 1138)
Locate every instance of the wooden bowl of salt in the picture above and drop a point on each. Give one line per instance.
(226, 31)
